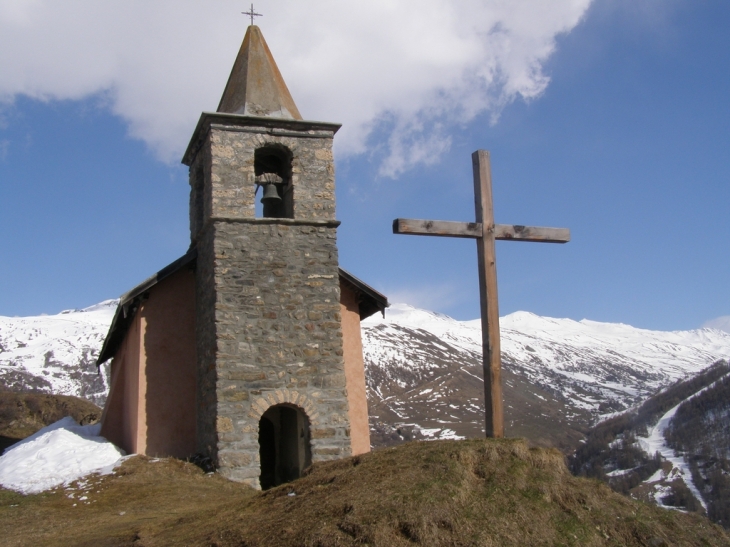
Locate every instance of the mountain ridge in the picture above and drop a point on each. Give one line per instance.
(424, 368)
(56, 354)
(415, 359)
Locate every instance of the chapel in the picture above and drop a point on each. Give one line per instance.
(247, 349)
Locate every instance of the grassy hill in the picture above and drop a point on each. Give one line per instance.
(443, 493)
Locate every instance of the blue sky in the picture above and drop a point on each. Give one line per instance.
(619, 128)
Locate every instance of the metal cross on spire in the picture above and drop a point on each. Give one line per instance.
(252, 14)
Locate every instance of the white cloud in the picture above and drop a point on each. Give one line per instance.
(427, 297)
(719, 323)
(413, 69)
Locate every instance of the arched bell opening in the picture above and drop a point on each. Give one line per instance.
(273, 169)
(284, 445)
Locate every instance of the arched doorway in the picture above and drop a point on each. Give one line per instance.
(284, 445)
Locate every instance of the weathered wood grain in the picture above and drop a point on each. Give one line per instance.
(447, 228)
(531, 233)
(443, 228)
(488, 295)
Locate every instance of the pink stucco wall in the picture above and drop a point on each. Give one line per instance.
(151, 407)
(354, 371)
(169, 345)
(121, 416)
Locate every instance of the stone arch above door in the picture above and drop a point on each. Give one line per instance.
(281, 396)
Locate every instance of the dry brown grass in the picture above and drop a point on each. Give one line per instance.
(144, 498)
(447, 493)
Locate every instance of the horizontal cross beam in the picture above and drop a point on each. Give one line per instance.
(447, 228)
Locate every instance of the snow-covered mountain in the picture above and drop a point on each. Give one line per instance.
(559, 375)
(424, 369)
(56, 353)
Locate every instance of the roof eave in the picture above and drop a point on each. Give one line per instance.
(378, 301)
(128, 302)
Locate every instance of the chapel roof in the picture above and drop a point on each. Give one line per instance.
(370, 301)
(255, 86)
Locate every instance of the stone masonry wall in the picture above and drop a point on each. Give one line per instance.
(206, 345)
(233, 177)
(202, 237)
(268, 300)
(279, 336)
(201, 194)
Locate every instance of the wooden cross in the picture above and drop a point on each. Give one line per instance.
(252, 14)
(485, 231)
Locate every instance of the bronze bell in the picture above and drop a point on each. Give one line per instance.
(271, 195)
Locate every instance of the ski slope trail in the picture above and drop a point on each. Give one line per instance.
(656, 442)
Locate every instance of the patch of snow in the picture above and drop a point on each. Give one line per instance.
(429, 432)
(450, 434)
(609, 415)
(659, 475)
(616, 442)
(619, 472)
(438, 433)
(660, 492)
(58, 454)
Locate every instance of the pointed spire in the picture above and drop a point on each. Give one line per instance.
(255, 86)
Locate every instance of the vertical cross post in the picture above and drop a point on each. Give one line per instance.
(485, 231)
(489, 304)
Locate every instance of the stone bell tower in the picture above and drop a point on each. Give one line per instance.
(271, 382)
